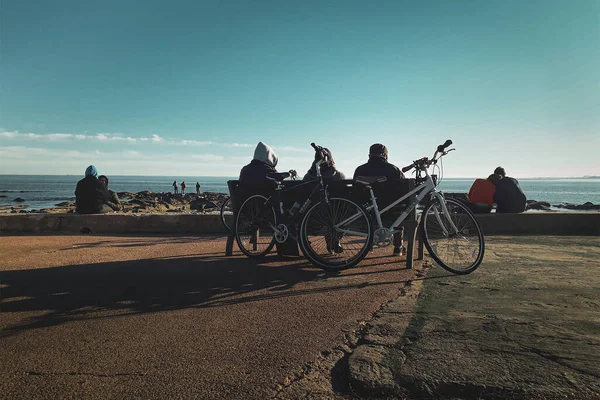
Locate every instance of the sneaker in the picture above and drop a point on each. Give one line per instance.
(398, 250)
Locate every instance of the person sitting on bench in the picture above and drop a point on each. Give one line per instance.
(481, 194)
(264, 162)
(378, 165)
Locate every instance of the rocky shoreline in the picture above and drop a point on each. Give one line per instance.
(167, 202)
(141, 202)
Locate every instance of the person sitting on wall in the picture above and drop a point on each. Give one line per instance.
(328, 169)
(91, 195)
(509, 196)
(481, 194)
(114, 202)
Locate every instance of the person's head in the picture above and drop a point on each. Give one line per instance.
(500, 172)
(327, 158)
(378, 150)
(494, 178)
(265, 153)
(103, 179)
(91, 171)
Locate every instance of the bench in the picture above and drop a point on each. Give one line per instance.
(385, 192)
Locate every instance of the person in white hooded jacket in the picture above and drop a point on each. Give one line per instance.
(264, 161)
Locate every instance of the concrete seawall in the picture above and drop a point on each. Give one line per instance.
(543, 223)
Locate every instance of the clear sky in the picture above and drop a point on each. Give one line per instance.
(190, 87)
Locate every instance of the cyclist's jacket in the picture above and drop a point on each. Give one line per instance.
(509, 196)
(482, 192)
(378, 166)
(265, 160)
(90, 195)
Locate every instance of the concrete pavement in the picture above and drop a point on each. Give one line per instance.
(160, 317)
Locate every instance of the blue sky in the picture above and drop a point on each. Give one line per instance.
(190, 87)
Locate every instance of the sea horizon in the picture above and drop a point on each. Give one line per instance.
(45, 191)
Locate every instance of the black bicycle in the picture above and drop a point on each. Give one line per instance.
(264, 220)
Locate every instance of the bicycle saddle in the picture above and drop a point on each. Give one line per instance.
(367, 180)
(278, 176)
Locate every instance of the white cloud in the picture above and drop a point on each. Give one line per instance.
(101, 136)
(9, 134)
(59, 136)
(245, 145)
(80, 137)
(191, 143)
(156, 138)
(208, 157)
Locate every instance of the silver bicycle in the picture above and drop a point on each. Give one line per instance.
(451, 233)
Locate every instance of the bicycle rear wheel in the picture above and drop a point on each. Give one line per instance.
(226, 211)
(454, 239)
(336, 235)
(254, 227)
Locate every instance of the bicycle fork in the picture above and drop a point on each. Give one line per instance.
(444, 210)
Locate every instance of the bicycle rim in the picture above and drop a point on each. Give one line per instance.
(226, 212)
(336, 235)
(458, 251)
(253, 223)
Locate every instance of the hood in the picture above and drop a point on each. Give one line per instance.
(265, 153)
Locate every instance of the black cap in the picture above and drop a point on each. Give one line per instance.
(378, 150)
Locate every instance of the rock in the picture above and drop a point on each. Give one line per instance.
(202, 204)
(538, 205)
(19, 200)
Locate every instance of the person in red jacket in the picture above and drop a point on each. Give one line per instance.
(481, 194)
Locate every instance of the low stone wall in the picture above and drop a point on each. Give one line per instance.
(543, 223)
(112, 223)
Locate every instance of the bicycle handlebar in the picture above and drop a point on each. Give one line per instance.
(425, 162)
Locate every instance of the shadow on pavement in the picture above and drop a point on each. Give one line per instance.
(82, 292)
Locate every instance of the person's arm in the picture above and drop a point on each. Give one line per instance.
(114, 202)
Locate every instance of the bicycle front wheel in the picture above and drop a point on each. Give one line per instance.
(336, 235)
(453, 238)
(226, 211)
(254, 227)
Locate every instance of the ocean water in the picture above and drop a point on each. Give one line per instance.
(44, 191)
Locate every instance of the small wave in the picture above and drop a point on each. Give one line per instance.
(21, 191)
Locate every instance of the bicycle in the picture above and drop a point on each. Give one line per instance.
(262, 221)
(451, 233)
(226, 210)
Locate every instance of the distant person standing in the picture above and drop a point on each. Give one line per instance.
(175, 190)
(91, 196)
(182, 187)
(198, 188)
(509, 196)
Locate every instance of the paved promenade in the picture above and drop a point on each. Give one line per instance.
(169, 317)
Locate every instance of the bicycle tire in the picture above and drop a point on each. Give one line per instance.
(337, 250)
(461, 252)
(253, 227)
(226, 208)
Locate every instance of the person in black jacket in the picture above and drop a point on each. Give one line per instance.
(91, 195)
(509, 196)
(264, 161)
(378, 165)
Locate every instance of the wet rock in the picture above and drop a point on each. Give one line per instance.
(19, 200)
(538, 205)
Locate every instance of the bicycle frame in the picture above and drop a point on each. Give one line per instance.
(424, 189)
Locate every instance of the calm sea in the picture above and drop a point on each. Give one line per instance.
(44, 191)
